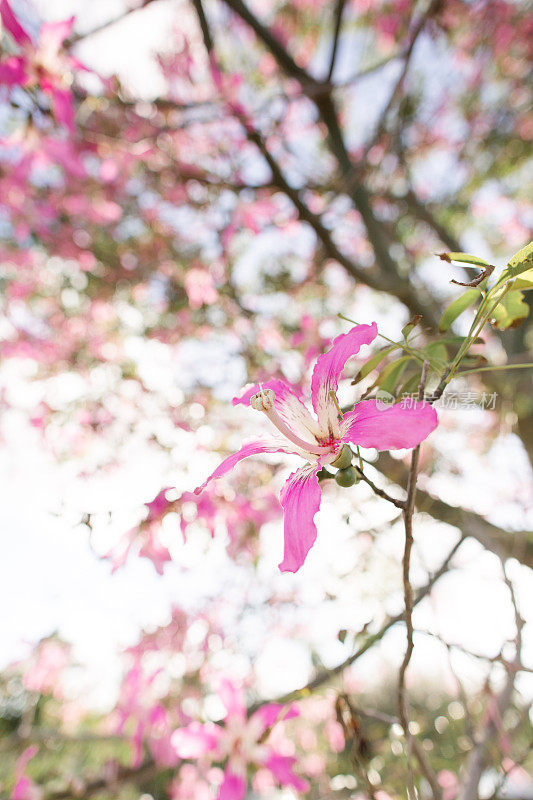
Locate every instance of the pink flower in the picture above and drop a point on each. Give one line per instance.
(320, 440)
(42, 63)
(50, 660)
(25, 788)
(239, 741)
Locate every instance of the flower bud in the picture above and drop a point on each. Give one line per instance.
(344, 458)
(346, 477)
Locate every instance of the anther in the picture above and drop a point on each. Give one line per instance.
(263, 400)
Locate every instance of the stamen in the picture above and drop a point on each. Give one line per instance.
(336, 404)
(264, 401)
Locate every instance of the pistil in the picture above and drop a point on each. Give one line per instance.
(264, 401)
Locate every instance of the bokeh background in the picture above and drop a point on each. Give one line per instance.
(200, 225)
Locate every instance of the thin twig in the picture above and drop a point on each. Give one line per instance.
(336, 35)
(77, 37)
(408, 511)
(380, 492)
(478, 756)
(325, 675)
(397, 90)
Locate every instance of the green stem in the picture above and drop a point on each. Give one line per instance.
(489, 369)
(475, 329)
(402, 345)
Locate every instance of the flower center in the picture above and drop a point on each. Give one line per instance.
(264, 401)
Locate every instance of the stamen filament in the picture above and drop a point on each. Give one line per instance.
(264, 401)
(276, 420)
(336, 404)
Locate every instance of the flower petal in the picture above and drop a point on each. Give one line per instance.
(12, 24)
(288, 405)
(13, 71)
(300, 498)
(281, 767)
(328, 369)
(371, 424)
(233, 787)
(195, 740)
(232, 698)
(249, 449)
(62, 105)
(270, 713)
(53, 34)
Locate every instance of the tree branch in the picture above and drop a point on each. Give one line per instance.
(325, 675)
(378, 237)
(336, 35)
(506, 544)
(403, 702)
(78, 37)
(398, 289)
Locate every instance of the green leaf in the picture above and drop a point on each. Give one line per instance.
(406, 330)
(373, 362)
(525, 281)
(519, 263)
(392, 373)
(511, 312)
(463, 258)
(411, 384)
(457, 307)
(437, 355)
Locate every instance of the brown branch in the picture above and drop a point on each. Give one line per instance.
(148, 767)
(122, 774)
(378, 237)
(477, 758)
(78, 37)
(380, 492)
(336, 35)
(506, 544)
(422, 212)
(403, 701)
(325, 675)
(417, 29)
(370, 278)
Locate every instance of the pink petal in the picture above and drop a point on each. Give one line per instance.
(23, 760)
(13, 71)
(300, 498)
(288, 405)
(12, 24)
(328, 369)
(403, 425)
(249, 449)
(137, 746)
(25, 788)
(233, 787)
(232, 698)
(195, 740)
(152, 549)
(62, 104)
(281, 768)
(53, 34)
(271, 712)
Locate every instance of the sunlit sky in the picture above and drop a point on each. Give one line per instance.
(50, 578)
